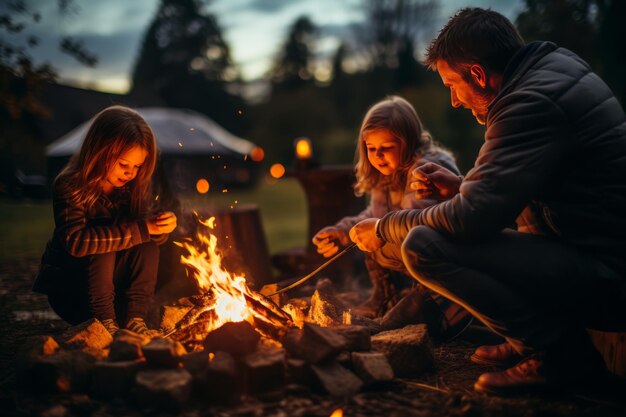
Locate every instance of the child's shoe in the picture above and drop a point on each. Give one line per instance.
(111, 326)
(138, 325)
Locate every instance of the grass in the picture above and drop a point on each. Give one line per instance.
(26, 225)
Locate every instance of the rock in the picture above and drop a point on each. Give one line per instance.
(126, 346)
(264, 369)
(336, 380)
(222, 383)
(55, 411)
(358, 337)
(372, 326)
(236, 338)
(33, 350)
(408, 350)
(115, 379)
(172, 314)
(344, 359)
(278, 299)
(165, 353)
(299, 372)
(314, 343)
(61, 372)
(163, 388)
(297, 315)
(89, 335)
(326, 310)
(196, 362)
(36, 347)
(371, 367)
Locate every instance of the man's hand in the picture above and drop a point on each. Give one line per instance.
(434, 181)
(164, 222)
(364, 235)
(328, 241)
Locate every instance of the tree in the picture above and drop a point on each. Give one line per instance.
(292, 67)
(22, 80)
(185, 59)
(593, 29)
(22, 83)
(390, 36)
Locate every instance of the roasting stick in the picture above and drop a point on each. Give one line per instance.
(318, 269)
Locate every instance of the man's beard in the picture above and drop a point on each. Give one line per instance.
(481, 101)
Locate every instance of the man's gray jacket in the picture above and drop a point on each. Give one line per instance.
(553, 160)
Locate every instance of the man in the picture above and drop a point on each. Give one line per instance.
(554, 163)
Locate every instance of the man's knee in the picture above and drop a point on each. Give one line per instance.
(423, 246)
(420, 244)
(148, 251)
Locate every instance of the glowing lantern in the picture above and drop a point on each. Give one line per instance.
(257, 154)
(277, 170)
(337, 413)
(202, 186)
(303, 148)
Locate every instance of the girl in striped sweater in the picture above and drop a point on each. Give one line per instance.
(102, 259)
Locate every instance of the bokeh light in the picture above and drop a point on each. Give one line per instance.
(303, 148)
(277, 170)
(257, 154)
(202, 186)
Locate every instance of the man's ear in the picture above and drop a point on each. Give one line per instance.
(478, 75)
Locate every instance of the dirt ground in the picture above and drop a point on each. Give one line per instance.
(445, 392)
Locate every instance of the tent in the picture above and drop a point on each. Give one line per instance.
(191, 146)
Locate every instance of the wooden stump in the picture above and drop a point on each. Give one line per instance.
(612, 347)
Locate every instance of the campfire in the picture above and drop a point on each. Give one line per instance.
(225, 297)
(228, 343)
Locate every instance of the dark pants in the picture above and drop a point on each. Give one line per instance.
(113, 285)
(536, 292)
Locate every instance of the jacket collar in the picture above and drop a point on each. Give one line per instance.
(519, 65)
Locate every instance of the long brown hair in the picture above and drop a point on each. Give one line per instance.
(398, 116)
(113, 131)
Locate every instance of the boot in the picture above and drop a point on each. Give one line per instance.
(409, 310)
(383, 292)
(499, 355)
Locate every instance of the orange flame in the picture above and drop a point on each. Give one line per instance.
(229, 293)
(230, 303)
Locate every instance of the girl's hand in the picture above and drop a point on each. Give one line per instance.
(164, 222)
(434, 181)
(364, 235)
(328, 241)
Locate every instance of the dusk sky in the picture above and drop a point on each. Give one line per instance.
(254, 30)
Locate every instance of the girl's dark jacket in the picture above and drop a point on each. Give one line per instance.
(81, 231)
(553, 160)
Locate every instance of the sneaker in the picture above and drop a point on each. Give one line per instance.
(502, 355)
(138, 325)
(111, 326)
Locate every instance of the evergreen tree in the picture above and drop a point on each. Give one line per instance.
(185, 59)
(292, 67)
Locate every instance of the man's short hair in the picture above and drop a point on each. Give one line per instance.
(475, 36)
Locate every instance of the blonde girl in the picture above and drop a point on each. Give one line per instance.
(392, 142)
